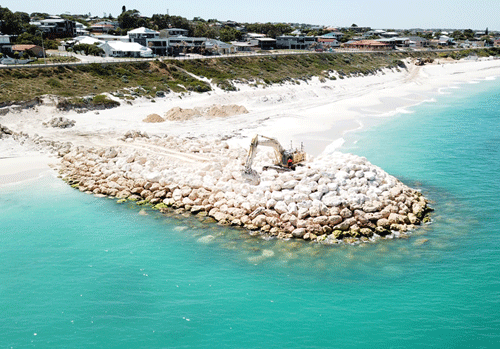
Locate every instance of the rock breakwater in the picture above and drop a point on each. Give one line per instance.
(334, 198)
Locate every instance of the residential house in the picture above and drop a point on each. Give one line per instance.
(401, 42)
(357, 29)
(375, 32)
(372, 45)
(106, 37)
(418, 42)
(125, 49)
(445, 40)
(465, 44)
(141, 35)
(5, 45)
(219, 47)
(395, 42)
(165, 33)
(330, 40)
(80, 29)
(32, 49)
(56, 27)
(175, 45)
(103, 27)
(89, 40)
(229, 23)
(295, 42)
(243, 46)
(252, 36)
(333, 35)
(388, 41)
(4, 39)
(266, 43)
(389, 34)
(496, 43)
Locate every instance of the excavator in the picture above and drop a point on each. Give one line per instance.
(423, 61)
(285, 160)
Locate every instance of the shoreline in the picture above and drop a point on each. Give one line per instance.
(312, 111)
(286, 112)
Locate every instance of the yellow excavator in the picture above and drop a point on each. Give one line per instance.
(285, 160)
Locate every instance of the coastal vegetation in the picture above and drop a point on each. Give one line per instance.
(153, 79)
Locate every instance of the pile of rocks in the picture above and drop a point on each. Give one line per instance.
(336, 197)
(4, 131)
(60, 122)
(131, 135)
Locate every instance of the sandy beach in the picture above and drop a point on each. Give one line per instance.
(315, 113)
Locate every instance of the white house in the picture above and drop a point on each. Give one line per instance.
(295, 42)
(4, 39)
(219, 46)
(80, 29)
(106, 37)
(445, 40)
(165, 33)
(245, 46)
(126, 49)
(88, 40)
(141, 35)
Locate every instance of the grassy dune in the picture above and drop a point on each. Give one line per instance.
(128, 80)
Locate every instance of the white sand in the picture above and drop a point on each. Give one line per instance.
(19, 163)
(314, 112)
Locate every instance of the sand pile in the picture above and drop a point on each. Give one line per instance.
(179, 114)
(217, 111)
(151, 118)
(214, 111)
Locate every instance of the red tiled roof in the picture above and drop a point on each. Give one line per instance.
(367, 43)
(23, 47)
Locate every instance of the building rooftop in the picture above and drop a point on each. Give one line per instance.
(143, 30)
(126, 46)
(23, 47)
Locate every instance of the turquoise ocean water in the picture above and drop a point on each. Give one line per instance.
(82, 272)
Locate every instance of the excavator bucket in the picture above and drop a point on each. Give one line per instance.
(251, 176)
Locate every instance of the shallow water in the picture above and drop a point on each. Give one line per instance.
(82, 272)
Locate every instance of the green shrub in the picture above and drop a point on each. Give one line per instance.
(104, 100)
(54, 83)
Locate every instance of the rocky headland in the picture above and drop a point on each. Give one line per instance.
(333, 198)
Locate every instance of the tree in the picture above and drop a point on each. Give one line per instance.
(228, 34)
(88, 49)
(469, 34)
(13, 23)
(458, 35)
(124, 9)
(487, 41)
(128, 19)
(486, 32)
(27, 38)
(270, 29)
